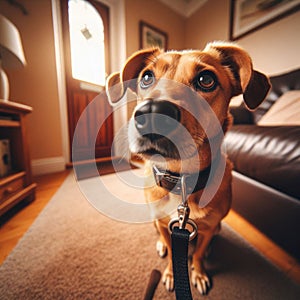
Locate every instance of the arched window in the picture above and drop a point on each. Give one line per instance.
(86, 42)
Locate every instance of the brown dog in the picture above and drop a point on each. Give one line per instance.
(173, 130)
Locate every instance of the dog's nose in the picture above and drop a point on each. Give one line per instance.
(155, 119)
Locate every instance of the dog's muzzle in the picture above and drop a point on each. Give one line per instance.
(156, 119)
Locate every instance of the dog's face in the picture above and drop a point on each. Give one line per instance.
(183, 95)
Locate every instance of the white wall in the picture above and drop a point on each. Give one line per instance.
(274, 48)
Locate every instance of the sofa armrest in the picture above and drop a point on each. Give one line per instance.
(268, 154)
(241, 115)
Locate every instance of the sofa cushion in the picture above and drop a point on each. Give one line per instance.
(280, 84)
(285, 111)
(268, 154)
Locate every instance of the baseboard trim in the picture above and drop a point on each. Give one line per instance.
(48, 165)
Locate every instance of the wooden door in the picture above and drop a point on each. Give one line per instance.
(81, 92)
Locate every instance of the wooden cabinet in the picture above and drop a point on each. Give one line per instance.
(17, 185)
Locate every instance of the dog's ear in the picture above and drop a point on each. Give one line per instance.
(117, 83)
(252, 84)
(114, 88)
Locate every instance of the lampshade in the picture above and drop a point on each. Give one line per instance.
(11, 50)
(11, 53)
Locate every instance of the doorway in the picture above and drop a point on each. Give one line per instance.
(85, 25)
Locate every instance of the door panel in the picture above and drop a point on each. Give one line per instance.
(94, 115)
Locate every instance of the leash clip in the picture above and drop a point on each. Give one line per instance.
(183, 208)
(183, 213)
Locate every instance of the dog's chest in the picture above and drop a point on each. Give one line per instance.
(165, 207)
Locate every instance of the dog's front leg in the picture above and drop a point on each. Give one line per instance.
(167, 278)
(199, 277)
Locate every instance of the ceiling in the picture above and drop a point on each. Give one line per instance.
(184, 7)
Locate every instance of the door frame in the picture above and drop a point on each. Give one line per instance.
(117, 35)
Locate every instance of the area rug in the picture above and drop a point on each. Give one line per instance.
(74, 252)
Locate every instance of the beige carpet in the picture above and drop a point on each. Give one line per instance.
(74, 252)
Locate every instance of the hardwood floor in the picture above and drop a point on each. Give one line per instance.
(15, 223)
(285, 262)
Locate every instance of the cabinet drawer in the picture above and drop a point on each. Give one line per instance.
(12, 185)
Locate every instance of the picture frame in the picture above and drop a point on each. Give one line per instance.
(150, 36)
(248, 16)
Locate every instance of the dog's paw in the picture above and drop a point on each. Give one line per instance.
(161, 249)
(201, 281)
(168, 280)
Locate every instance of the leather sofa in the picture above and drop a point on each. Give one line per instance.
(266, 159)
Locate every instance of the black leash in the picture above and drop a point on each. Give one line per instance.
(180, 244)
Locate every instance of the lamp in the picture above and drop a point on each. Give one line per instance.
(11, 53)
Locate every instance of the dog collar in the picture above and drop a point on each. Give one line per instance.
(172, 181)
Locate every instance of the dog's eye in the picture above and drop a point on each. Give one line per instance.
(206, 81)
(147, 79)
